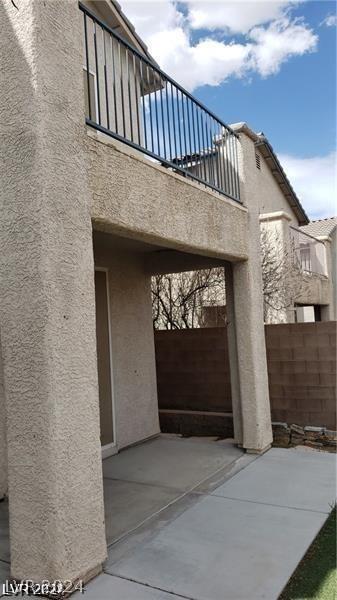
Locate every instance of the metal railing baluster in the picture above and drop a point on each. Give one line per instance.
(158, 117)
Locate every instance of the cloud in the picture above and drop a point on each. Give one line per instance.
(235, 16)
(208, 62)
(151, 17)
(315, 182)
(166, 27)
(330, 21)
(280, 41)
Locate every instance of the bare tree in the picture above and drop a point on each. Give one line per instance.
(282, 275)
(178, 299)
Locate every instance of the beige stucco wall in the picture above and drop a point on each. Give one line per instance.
(261, 183)
(275, 227)
(247, 355)
(56, 179)
(47, 318)
(132, 344)
(271, 197)
(3, 442)
(135, 197)
(317, 290)
(332, 247)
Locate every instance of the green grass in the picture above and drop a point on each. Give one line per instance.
(316, 576)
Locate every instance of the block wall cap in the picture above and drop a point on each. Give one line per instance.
(275, 216)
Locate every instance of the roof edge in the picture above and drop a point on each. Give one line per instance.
(132, 31)
(261, 141)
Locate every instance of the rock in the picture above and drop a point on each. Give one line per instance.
(313, 444)
(297, 429)
(310, 428)
(281, 435)
(330, 435)
(279, 425)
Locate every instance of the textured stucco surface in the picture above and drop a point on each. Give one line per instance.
(132, 344)
(326, 288)
(333, 263)
(271, 197)
(317, 290)
(3, 443)
(133, 196)
(233, 356)
(47, 305)
(57, 177)
(246, 290)
(276, 227)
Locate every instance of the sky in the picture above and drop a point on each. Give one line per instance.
(269, 63)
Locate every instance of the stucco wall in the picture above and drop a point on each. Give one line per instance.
(247, 355)
(3, 444)
(271, 197)
(333, 253)
(56, 179)
(133, 358)
(47, 298)
(136, 197)
(262, 186)
(316, 290)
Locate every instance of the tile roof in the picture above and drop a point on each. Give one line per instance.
(320, 227)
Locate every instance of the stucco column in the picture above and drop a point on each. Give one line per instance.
(233, 357)
(3, 442)
(251, 356)
(328, 310)
(244, 285)
(276, 237)
(47, 314)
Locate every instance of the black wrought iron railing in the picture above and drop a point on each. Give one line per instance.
(131, 99)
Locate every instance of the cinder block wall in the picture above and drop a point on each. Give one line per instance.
(193, 370)
(193, 373)
(302, 373)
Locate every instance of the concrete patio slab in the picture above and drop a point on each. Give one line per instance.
(175, 463)
(219, 549)
(200, 520)
(106, 587)
(292, 477)
(222, 475)
(127, 504)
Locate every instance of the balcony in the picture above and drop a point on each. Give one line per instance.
(129, 98)
(309, 253)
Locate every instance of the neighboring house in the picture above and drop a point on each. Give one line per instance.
(307, 268)
(297, 269)
(324, 230)
(93, 203)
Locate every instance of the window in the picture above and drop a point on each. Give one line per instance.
(258, 161)
(305, 257)
(93, 94)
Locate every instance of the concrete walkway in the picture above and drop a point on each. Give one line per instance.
(238, 535)
(198, 519)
